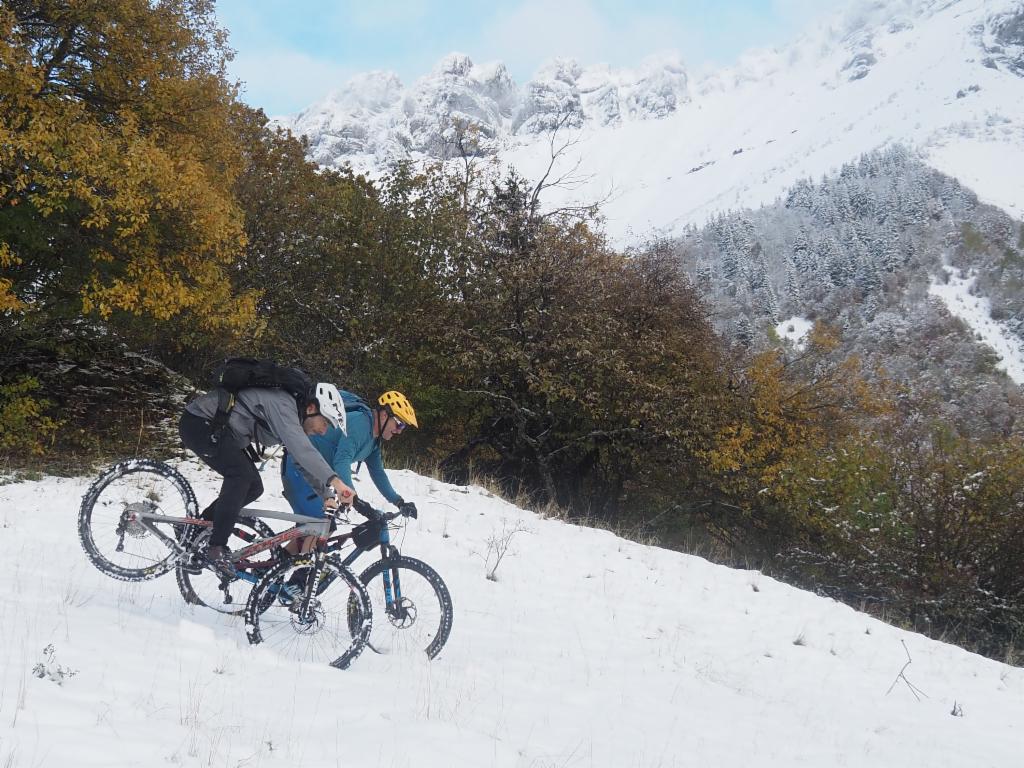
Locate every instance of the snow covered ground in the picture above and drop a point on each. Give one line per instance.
(958, 296)
(587, 651)
(795, 330)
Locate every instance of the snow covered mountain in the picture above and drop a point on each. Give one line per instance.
(588, 650)
(374, 119)
(665, 149)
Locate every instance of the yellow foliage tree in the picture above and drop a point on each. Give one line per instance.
(118, 152)
(788, 408)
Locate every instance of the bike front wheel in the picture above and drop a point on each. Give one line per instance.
(416, 617)
(119, 546)
(330, 626)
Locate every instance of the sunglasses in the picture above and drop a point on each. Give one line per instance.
(399, 424)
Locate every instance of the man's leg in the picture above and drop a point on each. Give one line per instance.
(302, 499)
(242, 484)
(195, 433)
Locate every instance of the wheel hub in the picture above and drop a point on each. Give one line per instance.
(132, 526)
(314, 621)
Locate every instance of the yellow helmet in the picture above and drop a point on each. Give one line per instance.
(399, 406)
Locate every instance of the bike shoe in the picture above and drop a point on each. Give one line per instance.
(219, 559)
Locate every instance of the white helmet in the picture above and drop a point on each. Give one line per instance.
(332, 407)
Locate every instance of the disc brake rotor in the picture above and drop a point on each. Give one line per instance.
(403, 615)
(314, 622)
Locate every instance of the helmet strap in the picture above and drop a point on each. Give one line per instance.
(379, 425)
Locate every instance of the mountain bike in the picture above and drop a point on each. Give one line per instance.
(410, 600)
(117, 527)
(139, 520)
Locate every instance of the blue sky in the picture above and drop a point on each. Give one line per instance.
(291, 53)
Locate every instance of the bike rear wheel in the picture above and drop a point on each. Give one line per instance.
(331, 627)
(419, 618)
(119, 547)
(204, 588)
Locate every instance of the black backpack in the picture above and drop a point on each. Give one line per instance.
(238, 373)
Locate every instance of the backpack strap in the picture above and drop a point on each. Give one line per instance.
(219, 422)
(226, 402)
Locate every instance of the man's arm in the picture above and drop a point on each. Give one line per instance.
(284, 422)
(375, 464)
(344, 458)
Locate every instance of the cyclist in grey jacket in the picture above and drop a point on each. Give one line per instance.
(267, 417)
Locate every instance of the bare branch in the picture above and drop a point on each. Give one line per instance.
(901, 676)
(555, 154)
(515, 406)
(605, 433)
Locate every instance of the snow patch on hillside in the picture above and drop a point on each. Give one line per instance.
(957, 293)
(795, 330)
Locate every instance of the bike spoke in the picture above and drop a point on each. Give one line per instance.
(322, 634)
(110, 528)
(204, 589)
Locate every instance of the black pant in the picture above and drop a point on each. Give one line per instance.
(242, 483)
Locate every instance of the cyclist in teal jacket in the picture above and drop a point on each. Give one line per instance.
(361, 442)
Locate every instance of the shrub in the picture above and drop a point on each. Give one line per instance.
(24, 426)
(924, 522)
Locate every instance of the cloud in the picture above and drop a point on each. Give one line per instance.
(797, 12)
(803, 15)
(534, 32)
(288, 80)
(383, 13)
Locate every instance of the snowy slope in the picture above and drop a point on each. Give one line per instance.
(797, 113)
(665, 149)
(959, 297)
(588, 651)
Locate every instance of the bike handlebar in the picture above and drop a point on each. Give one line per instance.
(371, 513)
(366, 510)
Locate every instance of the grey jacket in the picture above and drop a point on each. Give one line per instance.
(255, 410)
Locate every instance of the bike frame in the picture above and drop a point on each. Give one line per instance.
(318, 527)
(305, 526)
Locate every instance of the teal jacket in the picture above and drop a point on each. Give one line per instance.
(341, 451)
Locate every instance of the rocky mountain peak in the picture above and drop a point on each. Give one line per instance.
(376, 117)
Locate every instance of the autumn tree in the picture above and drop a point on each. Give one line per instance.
(782, 408)
(918, 521)
(581, 370)
(347, 269)
(119, 149)
(117, 159)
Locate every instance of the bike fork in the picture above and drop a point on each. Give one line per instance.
(392, 587)
(304, 603)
